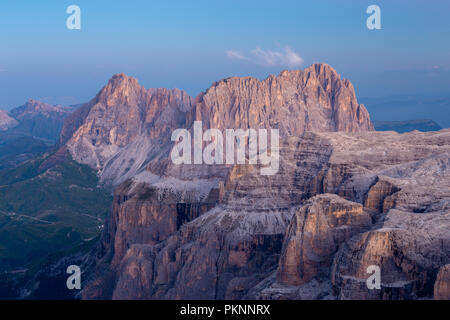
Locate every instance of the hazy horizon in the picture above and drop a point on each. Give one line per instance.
(191, 45)
(69, 100)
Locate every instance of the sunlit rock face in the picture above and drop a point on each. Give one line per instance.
(314, 99)
(126, 126)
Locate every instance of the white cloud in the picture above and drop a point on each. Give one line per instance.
(292, 58)
(235, 55)
(286, 57)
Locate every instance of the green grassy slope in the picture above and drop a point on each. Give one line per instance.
(44, 212)
(15, 149)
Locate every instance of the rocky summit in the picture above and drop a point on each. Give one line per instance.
(344, 200)
(35, 119)
(127, 126)
(314, 99)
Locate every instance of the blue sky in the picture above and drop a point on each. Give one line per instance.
(190, 44)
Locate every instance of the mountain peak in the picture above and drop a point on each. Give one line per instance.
(313, 99)
(317, 68)
(33, 107)
(121, 79)
(35, 118)
(322, 67)
(126, 116)
(119, 89)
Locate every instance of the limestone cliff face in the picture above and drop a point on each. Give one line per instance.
(314, 99)
(314, 235)
(127, 126)
(379, 195)
(409, 248)
(271, 237)
(124, 114)
(442, 284)
(403, 181)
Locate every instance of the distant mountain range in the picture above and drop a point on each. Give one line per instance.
(36, 119)
(406, 107)
(29, 130)
(406, 126)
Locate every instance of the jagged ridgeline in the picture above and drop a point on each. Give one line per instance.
(127, 126)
